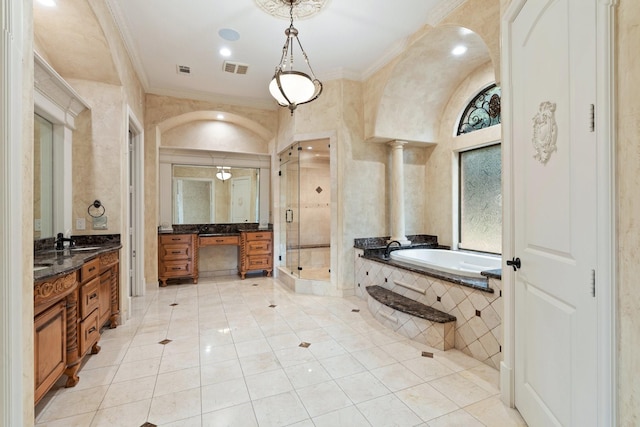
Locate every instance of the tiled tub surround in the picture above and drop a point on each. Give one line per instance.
(477, 307)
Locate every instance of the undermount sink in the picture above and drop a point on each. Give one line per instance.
(84, 248)
(41, 266)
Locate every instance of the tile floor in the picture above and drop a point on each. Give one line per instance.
(235, 359)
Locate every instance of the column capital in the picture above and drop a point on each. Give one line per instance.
(397, 143)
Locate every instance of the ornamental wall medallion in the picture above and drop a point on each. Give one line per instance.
(545, 131)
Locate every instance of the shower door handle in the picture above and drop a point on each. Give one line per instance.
(288, 216)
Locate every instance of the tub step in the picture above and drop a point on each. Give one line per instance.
(411, 318)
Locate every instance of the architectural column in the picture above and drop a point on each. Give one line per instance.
(397, 193)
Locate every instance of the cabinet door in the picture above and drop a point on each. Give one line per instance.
(50, 354)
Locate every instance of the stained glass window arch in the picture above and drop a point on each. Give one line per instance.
(482, 112)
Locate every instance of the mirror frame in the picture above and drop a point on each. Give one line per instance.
(172, 156)
(56, 101)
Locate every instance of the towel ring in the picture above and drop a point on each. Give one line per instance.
(96, 209)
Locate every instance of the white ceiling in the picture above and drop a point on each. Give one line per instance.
(347, 39)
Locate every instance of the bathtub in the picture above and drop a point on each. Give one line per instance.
(466, 264)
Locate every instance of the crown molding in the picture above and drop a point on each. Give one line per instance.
(129, 45)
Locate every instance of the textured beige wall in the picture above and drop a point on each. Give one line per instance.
(98, 155)
(214, 135)
(628, 181)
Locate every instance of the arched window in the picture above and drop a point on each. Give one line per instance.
(483, 111)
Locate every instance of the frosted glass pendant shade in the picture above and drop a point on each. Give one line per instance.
(297, 86)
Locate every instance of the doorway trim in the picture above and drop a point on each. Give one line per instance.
(137, 288)
(15, 273)
(606, 211)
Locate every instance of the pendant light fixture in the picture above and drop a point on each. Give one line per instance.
(224, 173)
(290, 87)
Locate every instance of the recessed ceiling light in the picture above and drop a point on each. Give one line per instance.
(225, 52)
(459, 50)
(48, 3)
(229, 34)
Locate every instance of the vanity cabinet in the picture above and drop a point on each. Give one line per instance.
(255, 252)
(69, 311)
(177, 257)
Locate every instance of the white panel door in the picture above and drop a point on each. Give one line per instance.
(554, 85)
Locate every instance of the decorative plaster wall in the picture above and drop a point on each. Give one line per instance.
(628, 180)
(98, 153)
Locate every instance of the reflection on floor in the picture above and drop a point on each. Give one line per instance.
(251, 353)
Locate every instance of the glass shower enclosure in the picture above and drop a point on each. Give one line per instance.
(305, 188)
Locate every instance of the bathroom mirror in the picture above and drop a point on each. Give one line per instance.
(42, 178)
(214, 194)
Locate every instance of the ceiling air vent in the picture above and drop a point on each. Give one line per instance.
(183, 69)
(235, 67)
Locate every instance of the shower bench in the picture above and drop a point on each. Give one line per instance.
(411, 318)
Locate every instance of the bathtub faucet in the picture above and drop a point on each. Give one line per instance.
(386, 250)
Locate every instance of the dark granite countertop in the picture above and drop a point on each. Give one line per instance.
(214, 229)
(67, 260)
(493, 274)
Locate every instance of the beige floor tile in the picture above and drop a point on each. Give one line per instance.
(279, 410)
(134, 414)
(240, 415)
(460, 390)
(426, 401)
(388, 411)
(129, 391)
(175, 406)
(323, 398)
(492, 412)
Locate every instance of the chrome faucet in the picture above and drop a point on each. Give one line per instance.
(60, 239)
(386, 250)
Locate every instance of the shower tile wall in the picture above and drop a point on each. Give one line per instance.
(315, 211)
(478, 313)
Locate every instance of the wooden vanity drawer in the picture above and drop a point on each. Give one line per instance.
(258, 235)
(89, 332)
(177, 268)
(258, 247)
(218, 240)
(90, 269)
(89, 297)
(177, 251)
(171, 239)
(259, 262)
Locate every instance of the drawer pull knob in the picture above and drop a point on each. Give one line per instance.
(219, 240)
(91, 330)
(176, 268)
(93, 296)
(175, 252)
(91, 269)
(175, 239)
